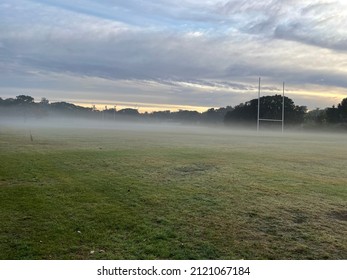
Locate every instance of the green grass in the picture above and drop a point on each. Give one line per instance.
(146, 194)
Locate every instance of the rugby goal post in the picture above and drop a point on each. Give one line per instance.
(269, 120)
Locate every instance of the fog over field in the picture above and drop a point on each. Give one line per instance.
(161, 133)
(158, 128)
(81, 189)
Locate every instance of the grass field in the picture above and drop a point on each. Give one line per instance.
(171, 193)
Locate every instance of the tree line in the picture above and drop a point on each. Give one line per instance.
(245, 114)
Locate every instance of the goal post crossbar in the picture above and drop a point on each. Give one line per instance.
(270, 120)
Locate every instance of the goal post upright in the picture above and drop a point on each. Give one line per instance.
(283, 110)
(258, 116)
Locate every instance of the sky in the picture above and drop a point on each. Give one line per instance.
(171, 55)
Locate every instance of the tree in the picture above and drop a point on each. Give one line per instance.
(270, 108)
(186, 116)
(44, 101)
(317, 117)
(24, 99)
(128, 112)
(161, 115)
(333, 115)
(342, 107)
(8, 102)
(243, 113)
(213, 115)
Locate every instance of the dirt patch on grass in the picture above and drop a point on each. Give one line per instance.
(339, 215)
(299, 217)
(193, 168)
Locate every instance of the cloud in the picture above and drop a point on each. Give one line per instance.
(319, 23)
(193, 52)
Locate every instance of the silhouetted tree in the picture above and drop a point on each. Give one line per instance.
(317, 117)
(161, 115)
(215, 115)
(186, 116)
(342, 107)
(44, 101)
(8, 102)
(270, 108)
(333, 115)
(128, 112)
(244, 113)
(24, 99)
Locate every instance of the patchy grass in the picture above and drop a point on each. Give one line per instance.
(182, 194)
